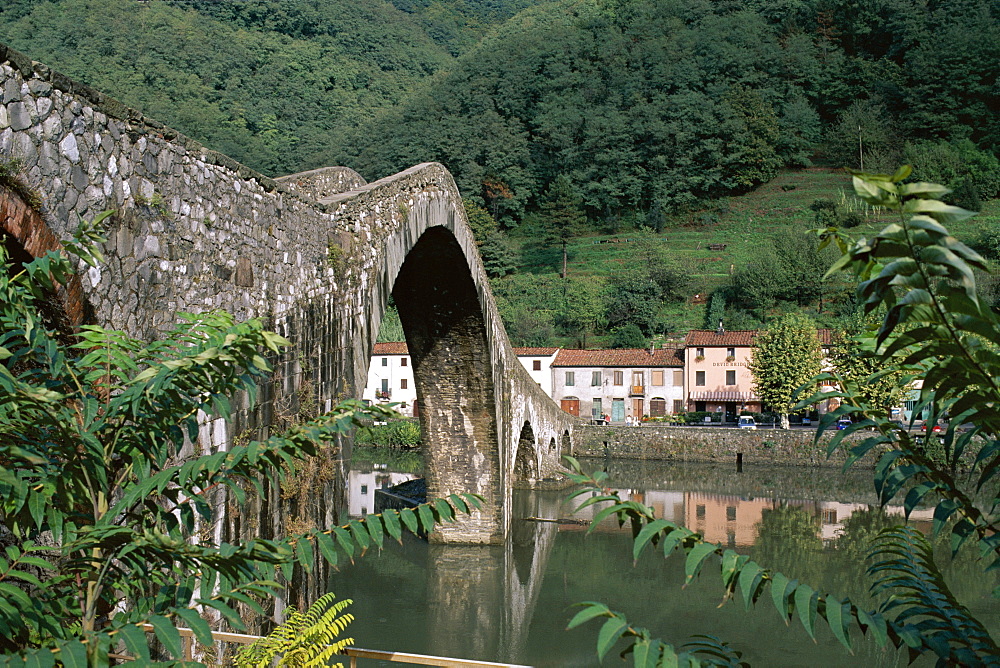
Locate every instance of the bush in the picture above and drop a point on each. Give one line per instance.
(396, 434)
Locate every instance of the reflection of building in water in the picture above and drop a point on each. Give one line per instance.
(732, 520)
(361, 487)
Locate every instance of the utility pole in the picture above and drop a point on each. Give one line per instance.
(861, 154)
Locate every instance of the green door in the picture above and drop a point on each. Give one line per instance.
(617, 410)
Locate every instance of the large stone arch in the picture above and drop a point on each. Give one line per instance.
(453, 365)
(526, 458)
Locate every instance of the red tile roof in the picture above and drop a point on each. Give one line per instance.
(535, 352)
(621, 357)
(704, 338)
(391, 348)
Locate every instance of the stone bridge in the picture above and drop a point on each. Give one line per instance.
(316, 256)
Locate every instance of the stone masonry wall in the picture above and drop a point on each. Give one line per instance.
(324, 182)
(708, 444)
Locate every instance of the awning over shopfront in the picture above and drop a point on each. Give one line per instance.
(740, 397)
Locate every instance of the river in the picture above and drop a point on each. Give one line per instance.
(512, 603)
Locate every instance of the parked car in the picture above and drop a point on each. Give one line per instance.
(746, 422)
(844, 423)
(806, 421)
(937, 429)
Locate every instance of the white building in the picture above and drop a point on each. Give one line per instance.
(390, 378)
(538, 362)
(619, 383)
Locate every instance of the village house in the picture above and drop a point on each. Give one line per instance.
(623, 384)
(390, 378)
(716, 372)
(538, 362)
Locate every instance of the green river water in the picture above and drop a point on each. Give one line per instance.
(512, 603)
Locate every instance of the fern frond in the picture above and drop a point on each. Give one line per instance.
(903, 568)
(305, 639)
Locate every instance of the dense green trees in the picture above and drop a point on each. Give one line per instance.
(785, 356)
(656, 105)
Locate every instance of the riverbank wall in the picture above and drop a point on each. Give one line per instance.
(708, 444)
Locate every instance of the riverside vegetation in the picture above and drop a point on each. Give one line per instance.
(933, 326)
(98, 501)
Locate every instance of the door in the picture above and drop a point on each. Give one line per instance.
(617, 410)
(637, 411)
(571, 405)
(730, 411)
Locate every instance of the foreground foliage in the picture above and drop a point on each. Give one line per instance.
(305, 639)
(934, 328)
(108, 510)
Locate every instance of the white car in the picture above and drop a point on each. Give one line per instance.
(746, 422)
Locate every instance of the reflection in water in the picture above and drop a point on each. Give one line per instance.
(512, 603)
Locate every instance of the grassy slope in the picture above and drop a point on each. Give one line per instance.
(741, 223)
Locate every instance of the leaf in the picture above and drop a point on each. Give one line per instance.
(135, 641)
(590, 611)
(838, 616)
(194, 621)
(609, 635)
(72, 654)
(167, 634)
(696, 558)
(647, 534)
(806, 602)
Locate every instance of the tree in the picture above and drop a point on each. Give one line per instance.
(922, 278)
(785, 357)
(627, 336)
(632, 298)
(583, 306)
(103, 510)
(561, 215)
(855, 357)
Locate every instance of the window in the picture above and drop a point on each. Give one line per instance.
(731, 377)
(597, 412)
(699, 511)
(730, 513)
(595, 378)
(657, 407)
(730, 352)
(678, 379)
(385, 361)
(699, 378)
(402, 383)
(536, 365)
(638, 379)
(402, 361)
(364, 489)
(619, 377)
(699, 352)
(570, 378)
(657, 377)
(678, 405)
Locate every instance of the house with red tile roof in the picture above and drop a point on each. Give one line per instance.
(390, 378)
(716, 372)
(625, 383)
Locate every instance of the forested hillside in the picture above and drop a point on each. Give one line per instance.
(273, 84)
(654, 105)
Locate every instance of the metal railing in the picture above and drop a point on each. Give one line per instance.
(354, 653)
